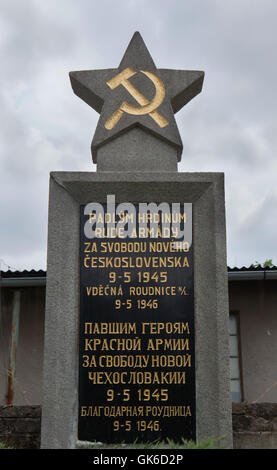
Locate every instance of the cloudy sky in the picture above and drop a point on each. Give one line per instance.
(230, 127)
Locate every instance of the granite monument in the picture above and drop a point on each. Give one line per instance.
(136, 328)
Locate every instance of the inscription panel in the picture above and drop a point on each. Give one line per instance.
(137, 358)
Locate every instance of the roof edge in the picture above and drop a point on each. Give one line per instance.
(38, 278)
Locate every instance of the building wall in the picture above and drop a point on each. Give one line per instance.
(29, 354)
(256, 304)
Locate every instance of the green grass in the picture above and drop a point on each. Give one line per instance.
(210, 443)
(4, 446)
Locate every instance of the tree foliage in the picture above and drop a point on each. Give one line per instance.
(266, 264)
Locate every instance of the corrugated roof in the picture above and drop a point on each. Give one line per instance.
(20, 274)
(253, 268)
(42, 273)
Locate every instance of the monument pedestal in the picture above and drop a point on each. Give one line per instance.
(68, 190)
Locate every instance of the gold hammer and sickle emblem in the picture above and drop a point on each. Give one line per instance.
(146, 106)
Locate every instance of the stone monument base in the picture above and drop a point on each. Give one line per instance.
(68, 190)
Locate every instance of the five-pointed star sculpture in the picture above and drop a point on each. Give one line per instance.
(136, 94)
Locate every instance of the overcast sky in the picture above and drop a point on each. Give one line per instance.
(230, 127)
